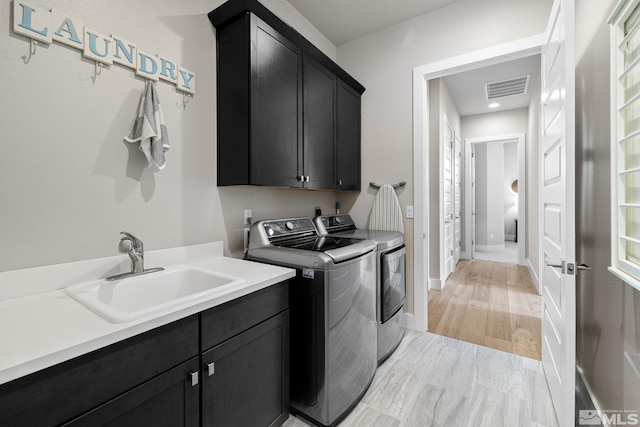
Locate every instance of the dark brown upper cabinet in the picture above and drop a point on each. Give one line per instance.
(347, 138)
(288, 116)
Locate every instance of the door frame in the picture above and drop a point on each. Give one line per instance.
(518, 138)
(520, 48)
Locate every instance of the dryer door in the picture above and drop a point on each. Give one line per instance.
(392, 282)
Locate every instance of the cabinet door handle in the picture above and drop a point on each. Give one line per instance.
(300, 178)
(211, 368)
(339, 182)
(194, 379)
(306, 178)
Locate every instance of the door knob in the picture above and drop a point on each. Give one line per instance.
(568, 267)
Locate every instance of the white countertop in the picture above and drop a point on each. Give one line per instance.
(41, 326)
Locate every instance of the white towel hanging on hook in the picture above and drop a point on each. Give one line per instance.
(148, 127)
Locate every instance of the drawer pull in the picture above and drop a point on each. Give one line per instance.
(194, 379)
(211, 368)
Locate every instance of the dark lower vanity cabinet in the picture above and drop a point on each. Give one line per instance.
(162, 378)
(283, 118)
(245, 360)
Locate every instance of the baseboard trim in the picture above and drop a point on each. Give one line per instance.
(408, 320)
(490, 248)
(534, 276)
(589, 396)
(435, 284)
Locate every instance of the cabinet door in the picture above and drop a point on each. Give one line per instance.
(276, 108)
(170, 399)
(348, 139)
(319, 125)
(246, 378)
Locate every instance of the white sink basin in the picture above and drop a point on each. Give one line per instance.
(138, 296)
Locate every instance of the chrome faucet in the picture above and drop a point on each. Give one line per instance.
(133, 247)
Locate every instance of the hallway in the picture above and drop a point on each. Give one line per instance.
(493, 304)
(509, 254)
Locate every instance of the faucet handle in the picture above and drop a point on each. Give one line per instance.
(136, 243)
(125, 245)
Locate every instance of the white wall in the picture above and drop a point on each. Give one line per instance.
(498, 123)
(68, 182)
(383, 62)
(490, 200)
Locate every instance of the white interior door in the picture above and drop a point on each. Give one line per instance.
(447, 187)
(457, 200)
(473, 200)
(557, 185)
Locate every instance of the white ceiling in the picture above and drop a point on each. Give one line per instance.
(467, 89)
(344, 20)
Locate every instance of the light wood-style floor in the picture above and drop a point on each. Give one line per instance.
(494, 304)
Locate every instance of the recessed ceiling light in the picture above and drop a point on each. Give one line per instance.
(494, 105)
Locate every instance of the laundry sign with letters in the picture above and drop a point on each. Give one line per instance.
(47, 26)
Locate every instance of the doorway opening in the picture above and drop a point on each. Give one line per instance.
(421, 77)
(495, 191)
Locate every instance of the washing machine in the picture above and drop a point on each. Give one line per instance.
(333, 314)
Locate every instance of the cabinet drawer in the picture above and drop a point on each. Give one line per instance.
(225, 321)
(55, 395)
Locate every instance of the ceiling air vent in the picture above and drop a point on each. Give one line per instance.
(510, 87)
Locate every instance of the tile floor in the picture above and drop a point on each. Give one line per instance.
(510, 254)
(433, 380)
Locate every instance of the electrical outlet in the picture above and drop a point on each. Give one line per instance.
(247, 217)
(409, 211)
